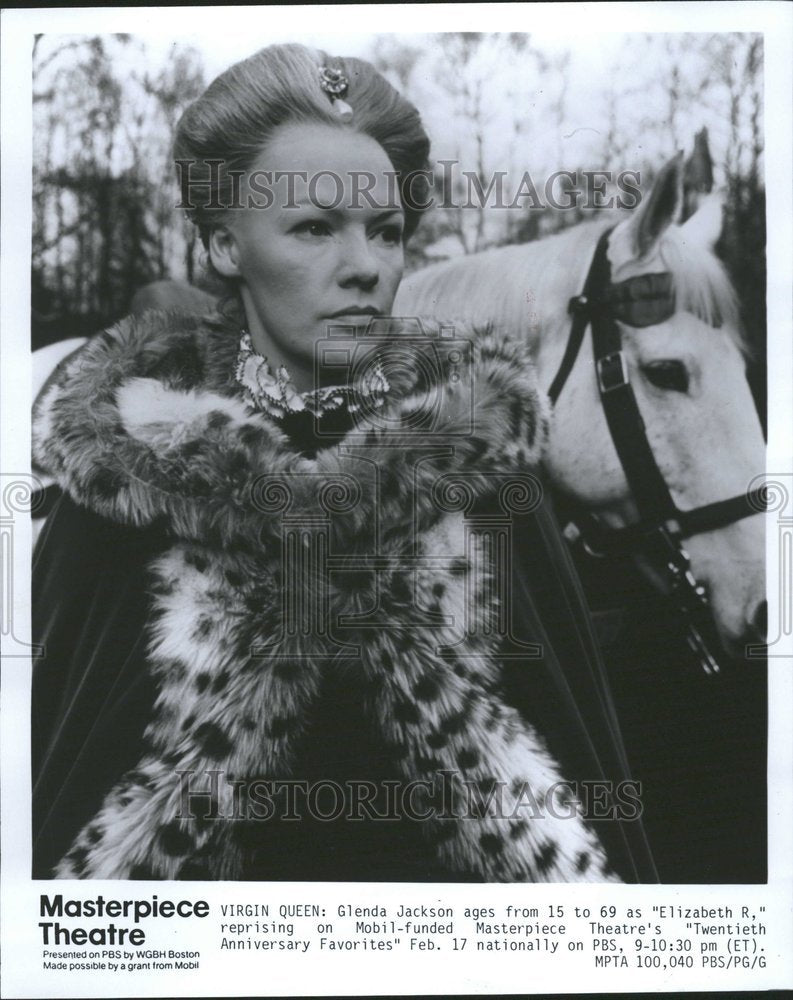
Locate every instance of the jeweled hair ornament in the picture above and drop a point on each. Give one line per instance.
(335, 85)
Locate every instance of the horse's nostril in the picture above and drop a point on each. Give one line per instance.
(761, 620)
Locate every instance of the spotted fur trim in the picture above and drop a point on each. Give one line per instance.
(146, 423)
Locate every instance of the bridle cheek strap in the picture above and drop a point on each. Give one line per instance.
(642, 301)
(646, 300)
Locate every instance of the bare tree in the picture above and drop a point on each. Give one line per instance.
(104, 219)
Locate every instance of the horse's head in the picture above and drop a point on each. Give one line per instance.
(687, 371)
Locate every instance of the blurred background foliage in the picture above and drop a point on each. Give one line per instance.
(105, 107)
(103, 198)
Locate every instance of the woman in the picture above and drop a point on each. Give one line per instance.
(293, 652)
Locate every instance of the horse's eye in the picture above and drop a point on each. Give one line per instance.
(667, 375)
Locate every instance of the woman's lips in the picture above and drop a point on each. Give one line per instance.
(357, 312)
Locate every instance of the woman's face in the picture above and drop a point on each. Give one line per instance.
(323, 251)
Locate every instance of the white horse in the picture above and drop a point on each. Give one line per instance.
(687, 372)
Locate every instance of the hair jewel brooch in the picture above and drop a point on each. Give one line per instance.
(335, 85)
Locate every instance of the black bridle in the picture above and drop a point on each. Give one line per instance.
(642, 301)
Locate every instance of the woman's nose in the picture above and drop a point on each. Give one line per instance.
(359, 265)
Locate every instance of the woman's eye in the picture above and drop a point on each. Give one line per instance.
(390, 235)
(667, 375)
(312, 227)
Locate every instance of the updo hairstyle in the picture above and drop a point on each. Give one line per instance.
(237, 114)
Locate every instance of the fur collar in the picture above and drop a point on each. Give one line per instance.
(146, 423)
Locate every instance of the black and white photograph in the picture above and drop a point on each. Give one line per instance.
(397, 497)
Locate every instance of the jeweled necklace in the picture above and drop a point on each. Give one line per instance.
(275, 394)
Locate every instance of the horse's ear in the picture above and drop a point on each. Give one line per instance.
(697, 175)
(660, 209)
(704, 227)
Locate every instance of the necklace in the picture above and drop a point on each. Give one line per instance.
(274, 393)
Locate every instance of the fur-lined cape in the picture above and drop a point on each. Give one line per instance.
(146, 423)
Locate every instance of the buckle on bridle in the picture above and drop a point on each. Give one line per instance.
(612, 371)
(578, 304)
